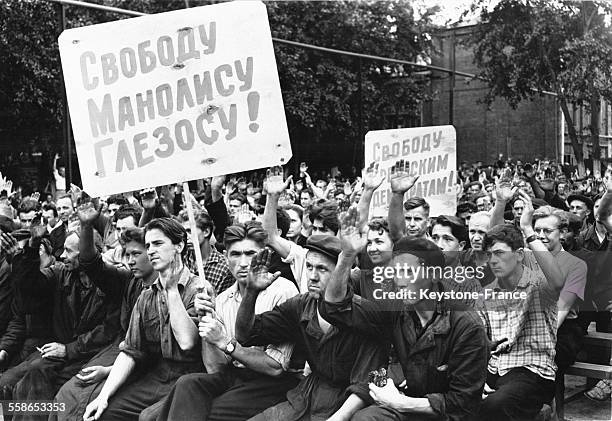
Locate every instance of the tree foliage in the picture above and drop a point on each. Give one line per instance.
(525, 47)
(320, 90)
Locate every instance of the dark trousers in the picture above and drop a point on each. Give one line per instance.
(569, 343)
(35, 379)
(145, 388)
(380, 413)
(519, 395)
(235, 394)
(76, 395)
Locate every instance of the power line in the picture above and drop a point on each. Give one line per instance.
(300, 44)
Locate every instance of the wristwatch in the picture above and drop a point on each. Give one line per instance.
(531, 238)
(230, 347)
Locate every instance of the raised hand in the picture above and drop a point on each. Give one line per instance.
(76, 192)
(244, 214)
(88, 213)
(352, 239)
(527, 215)
(35, 196)
(259, 278)
(372, 177)
(274, 181)
(504, 191)
(401, 180)
(148, 198)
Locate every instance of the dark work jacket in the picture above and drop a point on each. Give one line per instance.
(6, 294)
(30, 311)
(447, 363)
(118, 284)
(57, 237)
(340, 360)
(85, 319)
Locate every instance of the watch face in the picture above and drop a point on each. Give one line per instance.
(230, 348)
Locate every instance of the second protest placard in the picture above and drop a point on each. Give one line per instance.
(432, 154)
(174, 96)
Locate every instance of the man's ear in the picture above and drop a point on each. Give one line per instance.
(180, 247)
(520, 253)
(461, 245)
(278, 230)
(207, 233)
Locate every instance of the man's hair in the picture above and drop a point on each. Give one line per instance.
(479, 214)
(132, 234)
(379, 224)
(308, 191)
(125, 211)
(505, 233)
(117, 199)
(546, 211)
(52, 208)
(251, 230)
(415, 202)
(283, 221)
(327, 212)
(98, 241)
(296, 208)
(239, 197)
(29, 206)
(171, 229)
(458, 228)
(202, 220)
(466, 207)
(481, 195)
(66, 196)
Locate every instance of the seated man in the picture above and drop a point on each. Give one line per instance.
(548, 224)
(241, 382)
(124, 286)
(522, 310)
(340, 360)
(83, 321)
(162, 341)
(442, 352)
(475, 256)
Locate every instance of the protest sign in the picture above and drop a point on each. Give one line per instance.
(432, 153)
(174, 96)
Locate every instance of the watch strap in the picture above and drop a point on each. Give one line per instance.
(531, 238)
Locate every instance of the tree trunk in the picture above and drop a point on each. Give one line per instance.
(595, 123)
(571, 129)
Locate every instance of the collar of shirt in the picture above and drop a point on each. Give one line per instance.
(213, 257)
(183, 279)
(57, 225)
(309, 317)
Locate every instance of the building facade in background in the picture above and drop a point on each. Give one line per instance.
(535, 129)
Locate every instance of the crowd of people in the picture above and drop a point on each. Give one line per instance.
(305, 306)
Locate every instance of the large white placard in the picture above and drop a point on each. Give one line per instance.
(174, 96)
(432, 153)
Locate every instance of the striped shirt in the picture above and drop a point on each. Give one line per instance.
(228, 302)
